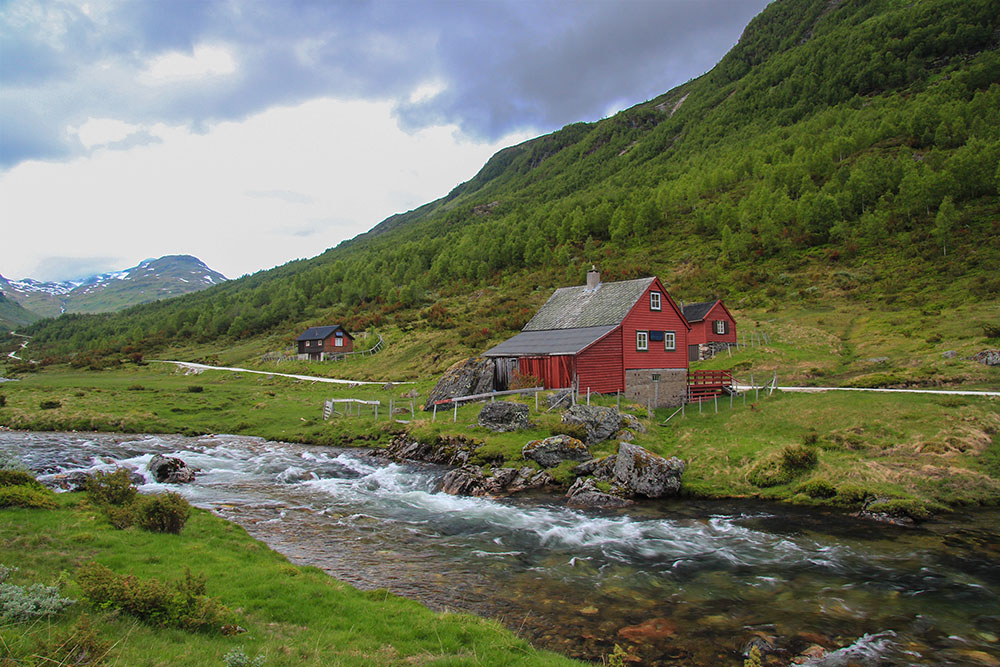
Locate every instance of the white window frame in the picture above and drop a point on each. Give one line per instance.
(669, 341)
(338, 342)
(720, 327)
(657, 303)
(641, 341)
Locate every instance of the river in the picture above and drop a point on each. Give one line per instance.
(683, 583)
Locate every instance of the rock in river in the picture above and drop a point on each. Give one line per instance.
(170, 470)
(646, 474)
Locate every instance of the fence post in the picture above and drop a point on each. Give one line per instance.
(434, 417)
(376, 411)
(730, 400)
(716, 403)
(536, 401)
(649, 406)
(683, 411)
(588, 395)
(456, 411)
(618, 400)
(413, 415)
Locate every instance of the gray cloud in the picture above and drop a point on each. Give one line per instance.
(505, 64)
(72, 268)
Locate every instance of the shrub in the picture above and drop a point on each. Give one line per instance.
(3, 401)
(162, 513)
(19, 478)
(817, 488)
(49, 405)
(519, 381)
(851, 494)
(24, 496)
(767, 473)
(798, 457)
(991, 330)
(111, 489)
(18, 603)
(136, 387)
(195, 389)
(238, 658)
(182, 604)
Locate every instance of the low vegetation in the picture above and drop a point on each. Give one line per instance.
(139, 604)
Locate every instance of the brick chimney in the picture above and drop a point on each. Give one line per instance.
(593, 278)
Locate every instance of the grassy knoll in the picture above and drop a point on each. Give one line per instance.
(293, 615)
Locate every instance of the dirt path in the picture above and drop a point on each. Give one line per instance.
(817, 390)
(312, 378)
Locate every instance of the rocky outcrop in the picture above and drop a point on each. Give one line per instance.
(643, 473)
(584, 493)
(474, 481)
(988, 357)
(504, 416)
(170, 470)
(602, 469)
(553, 450)
(562, 398)
(600, 423)
(450, 451)
(472, 376)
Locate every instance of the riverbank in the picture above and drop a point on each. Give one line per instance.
(917, 453)
(292, 615)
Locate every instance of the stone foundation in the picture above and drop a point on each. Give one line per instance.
(659, 387)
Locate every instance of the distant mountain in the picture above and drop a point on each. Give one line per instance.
(151, 280)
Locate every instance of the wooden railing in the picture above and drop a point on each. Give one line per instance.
(704, 385)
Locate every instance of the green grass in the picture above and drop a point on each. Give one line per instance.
(293, 615)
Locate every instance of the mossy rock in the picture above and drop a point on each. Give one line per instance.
(817, 487)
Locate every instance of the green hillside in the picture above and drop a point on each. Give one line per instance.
(13, 315)
(842, 156)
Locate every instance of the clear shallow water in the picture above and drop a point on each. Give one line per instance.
(683, 583)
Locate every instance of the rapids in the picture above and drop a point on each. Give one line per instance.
(680, 582)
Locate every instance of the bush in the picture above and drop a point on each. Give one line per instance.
(162, 513)
(817, 488)
(111, 489)
(24, 496)
(195, 389)
(3, 401)
(238, 658)
(989, 330)
(182, 604)
(768, 473)
(49, 405)
(19, 478)
(18, 603)
(798, 457)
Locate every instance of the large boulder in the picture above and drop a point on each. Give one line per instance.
(170, 470)
(472, 376)
(988, 357)
(643, 473)
(553, 450)
(600, 423)
(584, 493)
(445, 450)
(504, 416)
(473, 481)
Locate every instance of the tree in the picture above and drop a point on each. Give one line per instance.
(944, 223)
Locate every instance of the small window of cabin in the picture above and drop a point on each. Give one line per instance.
(669, 341)
(642, 340)
(338, 341)
(720, 327)
(654, 301)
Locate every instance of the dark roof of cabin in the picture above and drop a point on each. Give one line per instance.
(696, 312)
(322, 333)
(579, 307)
(549, 342)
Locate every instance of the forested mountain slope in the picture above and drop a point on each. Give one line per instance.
(841, 149)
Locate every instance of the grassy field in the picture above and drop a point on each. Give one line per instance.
(292, 615)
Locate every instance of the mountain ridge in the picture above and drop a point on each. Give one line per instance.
(150, 280)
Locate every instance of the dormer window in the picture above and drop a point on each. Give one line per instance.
(654, 301)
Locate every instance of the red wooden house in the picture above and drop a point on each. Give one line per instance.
(712, 327)
(317, 342)
(626, 336)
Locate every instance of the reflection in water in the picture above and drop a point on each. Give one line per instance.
(688, 583)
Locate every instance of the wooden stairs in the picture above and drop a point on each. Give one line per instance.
(706, 385)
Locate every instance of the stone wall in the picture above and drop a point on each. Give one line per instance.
(669, 392)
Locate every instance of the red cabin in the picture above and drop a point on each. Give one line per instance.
(626, 336)
(317, 343)
(713, 327)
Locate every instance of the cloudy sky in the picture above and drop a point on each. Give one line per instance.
(253, 132)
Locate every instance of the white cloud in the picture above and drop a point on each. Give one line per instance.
(204, 61)
(347, 163)
(102, 131)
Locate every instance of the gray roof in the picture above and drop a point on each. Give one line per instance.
(548, 342)
(696, 312)
(322, 333)
(577, 307)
